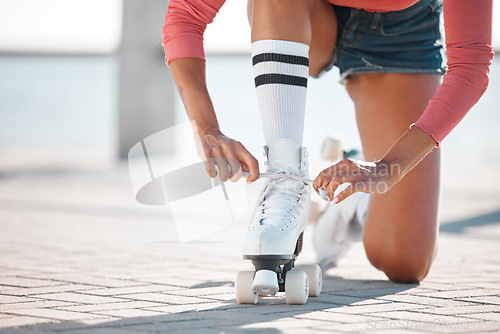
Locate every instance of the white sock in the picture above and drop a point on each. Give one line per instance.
(280, 70)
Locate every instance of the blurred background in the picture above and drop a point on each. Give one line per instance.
(82, 81)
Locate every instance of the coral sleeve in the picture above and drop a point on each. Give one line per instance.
(185, 24)
(468, 31)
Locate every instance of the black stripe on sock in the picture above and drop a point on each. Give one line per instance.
(274, 78)
(281, 58)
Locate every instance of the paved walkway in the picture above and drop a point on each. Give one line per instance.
(78, 255)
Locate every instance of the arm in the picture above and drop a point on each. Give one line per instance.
(468, 28)
(185, 24)
(214, 148)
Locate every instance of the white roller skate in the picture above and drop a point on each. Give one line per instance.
(274, 237)
(338, 225)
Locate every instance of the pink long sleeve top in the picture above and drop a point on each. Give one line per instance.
(468, 31)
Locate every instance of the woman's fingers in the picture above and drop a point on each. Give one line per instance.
(210, 167)
(221, 163)
(223, 167)
(331, 188)
(318, 182)
(228, 159)
(250, 163)
(345, 193)
(345, 171)
(367, 177)
(228, 151)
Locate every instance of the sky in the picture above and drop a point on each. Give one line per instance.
(94, 26)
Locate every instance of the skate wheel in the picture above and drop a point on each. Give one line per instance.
(265, 283)
(243, 288)
(331, 150)
(296, 287)
(315, 277)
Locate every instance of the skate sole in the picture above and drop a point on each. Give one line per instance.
(269, 257)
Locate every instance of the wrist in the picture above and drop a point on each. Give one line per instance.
(202, 128)
(394, 169)
(408, 151)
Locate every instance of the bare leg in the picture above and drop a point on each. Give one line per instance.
(312, 22)
(400, 235)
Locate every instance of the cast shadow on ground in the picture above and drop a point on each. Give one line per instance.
(460, 226)
(234, 318)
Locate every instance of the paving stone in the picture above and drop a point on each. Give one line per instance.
(467, 327)
(335, 317)
(85, 278)
(164, 298)
(242, 316)
(483, 299)
(68, 326)
(385, 307)
(211, 291)
(420, 317)
(490, 316)
(289, 323)
(77, 298)
(456, 294)
(54, 314)
(190, 307)
(347, 300)
(127, 290)
(353, 327)
(22, 330)
(49, 289)
(108, 330)
(429, 285)
(197, 325)
(109, 306)
(33, 305)
(174, 282)
(21, 321)
(423, 300)
(6, 299)
(17, 282)
(225, 297)
(462, 310)
(484, 285)
(375, 293)
(128, 313)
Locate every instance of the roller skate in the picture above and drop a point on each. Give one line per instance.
(338, 225)
(275, 233)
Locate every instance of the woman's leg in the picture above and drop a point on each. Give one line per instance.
(312, 22)
(284, 35)
(400, 235)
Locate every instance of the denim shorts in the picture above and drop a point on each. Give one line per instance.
(405, 41)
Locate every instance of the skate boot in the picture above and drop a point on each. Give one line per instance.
(274, 236)
(338, 227)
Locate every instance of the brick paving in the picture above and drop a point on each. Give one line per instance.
(78, 255)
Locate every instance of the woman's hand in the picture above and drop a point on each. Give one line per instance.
(222, 155)
(230, 156)
(379, 176)
(368, 177)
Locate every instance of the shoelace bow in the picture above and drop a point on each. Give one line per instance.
(280, 205)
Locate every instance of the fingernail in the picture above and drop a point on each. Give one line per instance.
(335, 200)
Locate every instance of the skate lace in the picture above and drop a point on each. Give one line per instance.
(279, 204)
